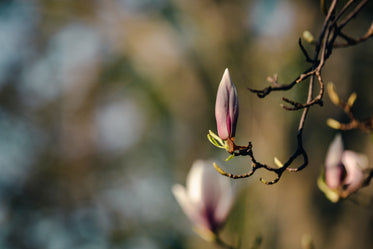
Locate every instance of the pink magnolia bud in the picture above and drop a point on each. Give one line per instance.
(226, 107)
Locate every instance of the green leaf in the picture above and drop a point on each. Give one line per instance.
(216, 137)
(216, 140)
(278, 162)
(218, 169)
(229, 158)
(212, 140)
(331, 194)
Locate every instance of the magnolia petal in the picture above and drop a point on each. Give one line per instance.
(334, 154)
(355, 164)
(194, 181)
(207, 198)
(201, 187)
(222, 105)
(233, 110)
(360, 159)
(186, 205)
(212, 187)
(333, 166)
(333, 176)
(217, 194)
(225, 204)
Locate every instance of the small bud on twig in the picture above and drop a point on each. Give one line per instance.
(351, 99)
(332, 123)
(333, 94)
(307, 35)
(278, 162)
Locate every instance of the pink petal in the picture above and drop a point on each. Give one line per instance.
(217, 196)
(207, 198)
(222, 105)
(233, 110)
(211, 189)
(334, 154)
(224, 206)
(355, 164)
(194, 181)
(333, 166)
(333, 176)
(189, 208)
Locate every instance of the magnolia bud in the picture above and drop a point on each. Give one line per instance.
(226, 107)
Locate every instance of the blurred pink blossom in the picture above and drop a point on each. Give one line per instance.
(345, 170)
(207, 198)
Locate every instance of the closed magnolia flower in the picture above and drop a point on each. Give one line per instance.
(345, 170)
(226, 107)
(206, 199)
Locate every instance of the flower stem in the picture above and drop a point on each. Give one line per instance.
(222, 244)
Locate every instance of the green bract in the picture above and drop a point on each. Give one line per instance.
(217, 141)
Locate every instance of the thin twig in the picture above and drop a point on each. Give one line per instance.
(354, 123)
(308, 59)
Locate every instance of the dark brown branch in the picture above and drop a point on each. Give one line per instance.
(311, 71)
(343, 10)
(255, 165)
(352, 14)
(283, 87)
(349, 41)
(365, 125)
(308, 59)
(297, 106)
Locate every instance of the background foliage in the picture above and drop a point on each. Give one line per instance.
(104, 105)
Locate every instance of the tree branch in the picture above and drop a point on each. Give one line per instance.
(325, 44)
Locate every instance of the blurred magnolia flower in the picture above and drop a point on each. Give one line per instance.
(345, 171)
(206, 200)
(226, 107)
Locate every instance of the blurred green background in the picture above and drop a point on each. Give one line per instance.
(105, 104)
